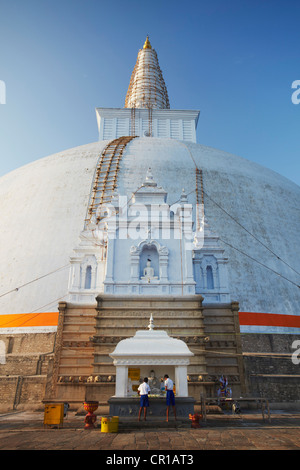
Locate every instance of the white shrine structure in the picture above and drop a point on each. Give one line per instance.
(145, 350)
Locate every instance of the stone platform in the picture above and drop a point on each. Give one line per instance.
(130, 406)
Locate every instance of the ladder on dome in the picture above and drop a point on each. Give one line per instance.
(199, 194)
(105, 179)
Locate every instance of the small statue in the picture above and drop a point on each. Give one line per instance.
(148, 271)
(154, 383)
(129, 388)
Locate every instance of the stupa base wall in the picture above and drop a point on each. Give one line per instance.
(32, 374)
(271, 367)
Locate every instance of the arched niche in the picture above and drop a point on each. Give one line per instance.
(149, 256)
(88, 270)
(159, 256)
(210, 275)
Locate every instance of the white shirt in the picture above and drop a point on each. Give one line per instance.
(169, 384)
(144, 388)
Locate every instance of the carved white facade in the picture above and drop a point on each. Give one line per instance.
(157, 252)
(146, 260)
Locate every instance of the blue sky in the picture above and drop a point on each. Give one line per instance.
(235, 61)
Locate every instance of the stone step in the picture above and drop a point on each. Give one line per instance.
(145, 303)
(75, 370)
(76, 362)
(191, 338)
(130, 331)
(145, 315)
(213, 312)
(104, 369)
(78, 328)
(79, 319)
(160, 323)
(220, 335)
(76, 336)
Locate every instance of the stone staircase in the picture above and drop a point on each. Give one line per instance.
(73, 357)
(120, 318)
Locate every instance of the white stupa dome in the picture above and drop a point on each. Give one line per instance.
(44, 205)
(253, 210)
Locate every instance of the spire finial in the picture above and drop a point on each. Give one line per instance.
(147, 44)
(151, 325)
(149, 181)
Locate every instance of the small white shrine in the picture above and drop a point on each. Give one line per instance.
(148, 350)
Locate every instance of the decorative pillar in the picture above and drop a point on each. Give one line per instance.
(121, 381)
(181, 381)
(83, 276)
(188, 257)
(215, 277)
(135, 264)
(204, 276)
(93, 276)
(75, 275)
(110, 260)
(223, 278)
(163, 264)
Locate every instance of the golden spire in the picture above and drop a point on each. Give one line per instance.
(147, 44)
(147, 88)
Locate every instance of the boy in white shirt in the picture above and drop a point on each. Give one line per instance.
(170, 395)
(143, 391)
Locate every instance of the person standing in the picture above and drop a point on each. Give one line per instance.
(143, 391)
(170, 396)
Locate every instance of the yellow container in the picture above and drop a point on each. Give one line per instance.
(104, 424)
(114, 424)
(110, 424)
(54, 414)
